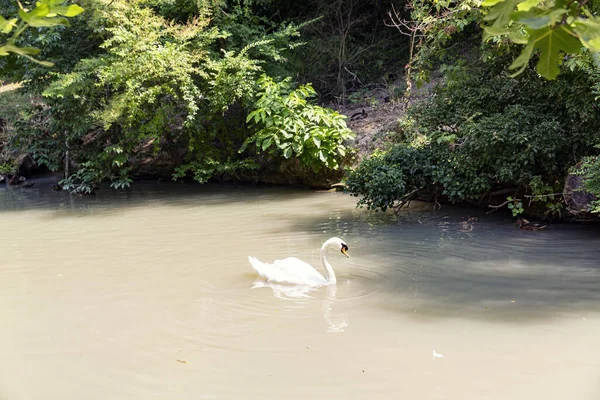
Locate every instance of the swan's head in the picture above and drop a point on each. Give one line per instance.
(335, 241)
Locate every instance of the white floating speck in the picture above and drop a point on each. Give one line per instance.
(437, 355)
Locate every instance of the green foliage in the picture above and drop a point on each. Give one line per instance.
(483, 131)
(15, 105)
(515, 206)
(84, 181)
(208, 169)
(289, 125)
(547, 194)
(7, 168)
(45, 14)
(590, 169)
(433, 28)
(387, 177)
(553, 28)
(167, 79)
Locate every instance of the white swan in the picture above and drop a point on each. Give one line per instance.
(297, 272)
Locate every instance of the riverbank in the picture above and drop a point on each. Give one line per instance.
(374, 118)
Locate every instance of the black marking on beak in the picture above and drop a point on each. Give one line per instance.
(344, 250)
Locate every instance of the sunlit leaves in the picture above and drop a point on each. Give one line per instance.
(550, 28)
(43, 15)
(588, 31)
(290, 125)
(7, 25)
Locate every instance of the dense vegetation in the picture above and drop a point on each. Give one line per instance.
(144, 85)
(483, 132)
(228, 90)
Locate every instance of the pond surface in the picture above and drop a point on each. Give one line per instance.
(148, 293)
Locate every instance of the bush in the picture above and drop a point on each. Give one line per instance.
(288, 123)
(484, 131)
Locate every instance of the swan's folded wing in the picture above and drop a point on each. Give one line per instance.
(294, 271)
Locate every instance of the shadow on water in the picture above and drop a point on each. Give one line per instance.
(425, 264)
(436, 265)
(142, 194)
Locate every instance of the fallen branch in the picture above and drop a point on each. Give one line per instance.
(406, 199)
(495, 208)
(543, 195)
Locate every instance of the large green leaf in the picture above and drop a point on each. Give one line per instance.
(38, 17)
(588, 31)
(23, 51)
(52, 2)
(528, 5)
(40, 11)
(9, 47)
(537, 18)
(522, 61)
(500, 13)
(490, 3)
(551, 43)
(46, 22)
(67, 11)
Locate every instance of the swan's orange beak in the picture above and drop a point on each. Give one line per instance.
(344, 249)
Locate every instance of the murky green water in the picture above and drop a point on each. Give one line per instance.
(148, 294)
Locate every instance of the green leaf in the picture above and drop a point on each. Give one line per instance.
(518, 37)
(266, 143)
(317, 142)
(7, 25)
(322, 157)
(490, 3)
(67, 11)
(24, 16)
(528, 5)
(250, 116)
(588, 31)
(40, 11)
(25, 52)
(288, 152)
(501, 12)
(523, 60)
(537, 18)
(552, 42)
(493, 31)
(20, 50)
(46, 22)
(596, 57)
(52, 2)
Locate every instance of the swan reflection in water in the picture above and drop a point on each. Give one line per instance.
(292, 278)
(336, 322)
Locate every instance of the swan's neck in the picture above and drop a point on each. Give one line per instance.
(329, 274)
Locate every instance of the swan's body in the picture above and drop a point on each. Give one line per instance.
(297, 272)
